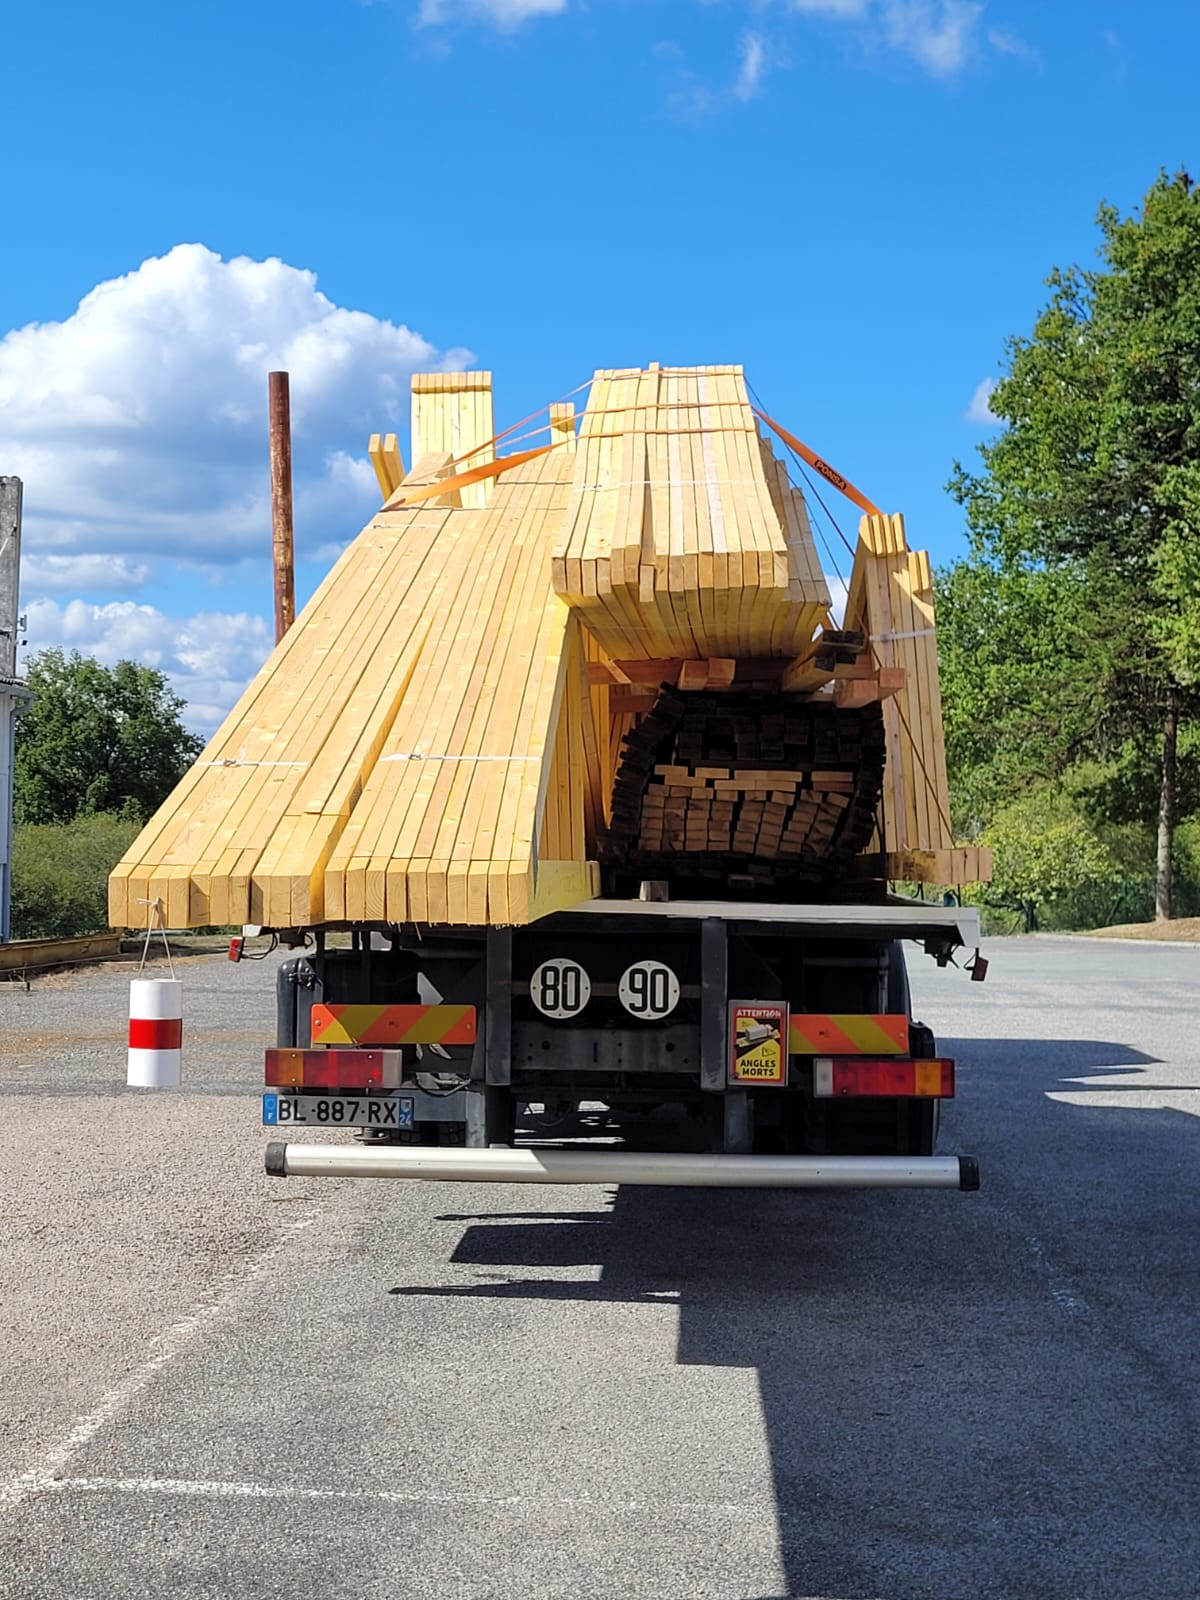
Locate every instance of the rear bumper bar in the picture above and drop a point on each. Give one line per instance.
(502, 1165)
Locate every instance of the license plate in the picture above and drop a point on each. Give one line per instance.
(333, 1111)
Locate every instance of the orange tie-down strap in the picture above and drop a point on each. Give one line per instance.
(413, 493)
(830, 474)
(847, 1036)
(393, 1025)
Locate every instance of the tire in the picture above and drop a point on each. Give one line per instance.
(890, 1127)
(899, 996)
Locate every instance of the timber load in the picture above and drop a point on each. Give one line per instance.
(758, 793)
(566, 670)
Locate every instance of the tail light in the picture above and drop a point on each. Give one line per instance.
(333, 1069)
(838, 1076)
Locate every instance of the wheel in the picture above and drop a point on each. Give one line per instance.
(923, 1116)
(899, 997)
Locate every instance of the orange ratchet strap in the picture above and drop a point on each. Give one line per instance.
(429, 491)
(830, 474)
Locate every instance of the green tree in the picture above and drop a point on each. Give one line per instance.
(97, 739)
(1025, 678)
(1096, 475)
(1045, 853)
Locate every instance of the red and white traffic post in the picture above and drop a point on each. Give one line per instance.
(155, 1033)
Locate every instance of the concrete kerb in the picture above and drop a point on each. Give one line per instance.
(1142, 944)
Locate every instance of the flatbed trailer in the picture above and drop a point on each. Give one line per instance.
(784, 1032)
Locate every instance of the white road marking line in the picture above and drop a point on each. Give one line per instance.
(1061, 1291)
(165, 1349)
(201, 1489)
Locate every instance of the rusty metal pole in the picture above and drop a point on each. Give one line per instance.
(282, 527)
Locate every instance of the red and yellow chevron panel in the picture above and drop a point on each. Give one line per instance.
(393, 1025)
(848, 1036)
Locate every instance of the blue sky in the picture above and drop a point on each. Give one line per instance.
(859, 199)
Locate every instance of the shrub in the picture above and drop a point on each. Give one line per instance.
(1052, 869)
(60, 874)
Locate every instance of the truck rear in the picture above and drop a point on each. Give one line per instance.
(781, 1034)
(583, 806)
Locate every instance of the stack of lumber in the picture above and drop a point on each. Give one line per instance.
(684, 536)
(603, 654)
(452, 415)
(413, 749)
(747, 789)
(891, 600)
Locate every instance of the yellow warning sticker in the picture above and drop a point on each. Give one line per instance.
(758, 1031)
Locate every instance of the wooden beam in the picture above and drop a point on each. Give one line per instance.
(653, 672)
(680, 541)
(393, 460)
(717, 672)
(834, 653)
(850, 693)
(382, 477)
(803, 676)
(562, 423)
(35, 955)
(948, 868)
(386, 459)
(631, 698)
(452, 414)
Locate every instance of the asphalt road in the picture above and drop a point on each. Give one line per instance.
(218, 1386)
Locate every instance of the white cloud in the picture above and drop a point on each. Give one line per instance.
(940, 35)
(139, 422)
(1011, 44)
(694, 99)
(41, 575)
(833, 8)
(752, 67)
(979, 410)
(503, 14)
(207, 657)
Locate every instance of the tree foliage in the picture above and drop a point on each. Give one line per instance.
(1025, 678)
(1085, 527)
(1100, 458)
(1045, 853)
(60, 874)
(97, 739)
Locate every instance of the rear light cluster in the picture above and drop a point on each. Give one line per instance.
(862, 1075)
(333, 1069)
